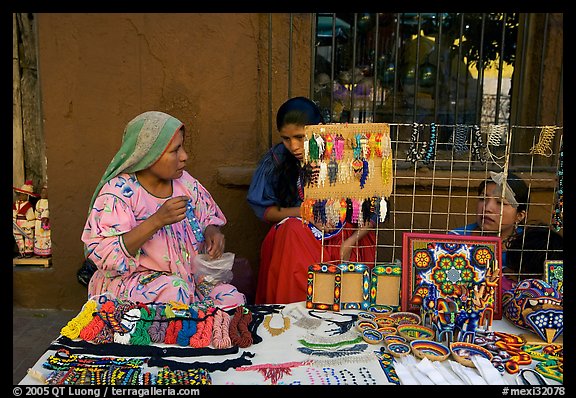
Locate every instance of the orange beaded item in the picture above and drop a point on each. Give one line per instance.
(172, 331)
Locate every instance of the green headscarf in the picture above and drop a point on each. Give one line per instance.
(144, 141)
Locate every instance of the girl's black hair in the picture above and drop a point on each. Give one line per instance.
(528, 251)
(299, 111)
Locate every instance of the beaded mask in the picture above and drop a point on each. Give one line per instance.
(536, 306)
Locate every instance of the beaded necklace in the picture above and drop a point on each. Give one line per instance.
(303, 321)
(274, 372)
(276, 331)
(209, 366)
(343, 376)
(63, 360)
(220, 336)
(341, 326)
(330, 372)
(367, 376)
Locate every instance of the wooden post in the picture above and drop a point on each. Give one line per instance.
(17, 137)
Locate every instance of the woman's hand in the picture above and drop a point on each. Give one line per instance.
(214, 241)
(173, 210)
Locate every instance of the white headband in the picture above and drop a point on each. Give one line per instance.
(503, 189)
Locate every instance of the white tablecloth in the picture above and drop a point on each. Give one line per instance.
(283, 349)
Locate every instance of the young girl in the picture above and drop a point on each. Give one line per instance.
(275, 195)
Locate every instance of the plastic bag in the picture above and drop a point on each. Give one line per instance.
(213, 271)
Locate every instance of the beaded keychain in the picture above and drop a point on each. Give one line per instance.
(332, 172)
(320, 144)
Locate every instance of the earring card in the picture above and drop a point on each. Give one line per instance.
(362, 141)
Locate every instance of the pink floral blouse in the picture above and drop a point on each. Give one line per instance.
(161, 270)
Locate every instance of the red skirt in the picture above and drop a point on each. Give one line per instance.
(290, 248)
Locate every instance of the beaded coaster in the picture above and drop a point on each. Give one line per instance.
(462, 351)
(429, 349)
(415, 332)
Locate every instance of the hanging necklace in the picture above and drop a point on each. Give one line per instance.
(276, 331)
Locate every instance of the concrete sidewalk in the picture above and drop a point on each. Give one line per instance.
(33, 330)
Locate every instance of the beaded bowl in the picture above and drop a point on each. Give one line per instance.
(364, 324)
(462, 352)
(372, 336)
(415, 332)
(366, 316)
(387, 330)
(429, 349)
(403, 318)
(398, 349)
(381, 309)
(384, 320)
(394, 338)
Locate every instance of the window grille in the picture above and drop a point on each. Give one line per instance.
(490, 85)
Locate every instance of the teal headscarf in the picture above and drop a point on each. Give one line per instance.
(144, 141)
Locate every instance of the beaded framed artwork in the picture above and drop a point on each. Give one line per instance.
(385, 285)
(554, 274)
(323, 287)
(464, 270)
(355, 286)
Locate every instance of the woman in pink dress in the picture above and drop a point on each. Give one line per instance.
(149, 218)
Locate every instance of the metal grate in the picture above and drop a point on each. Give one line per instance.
(490, 84)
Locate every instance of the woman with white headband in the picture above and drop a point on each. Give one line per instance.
(501, 209)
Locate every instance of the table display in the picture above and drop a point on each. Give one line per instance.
(275, 345)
